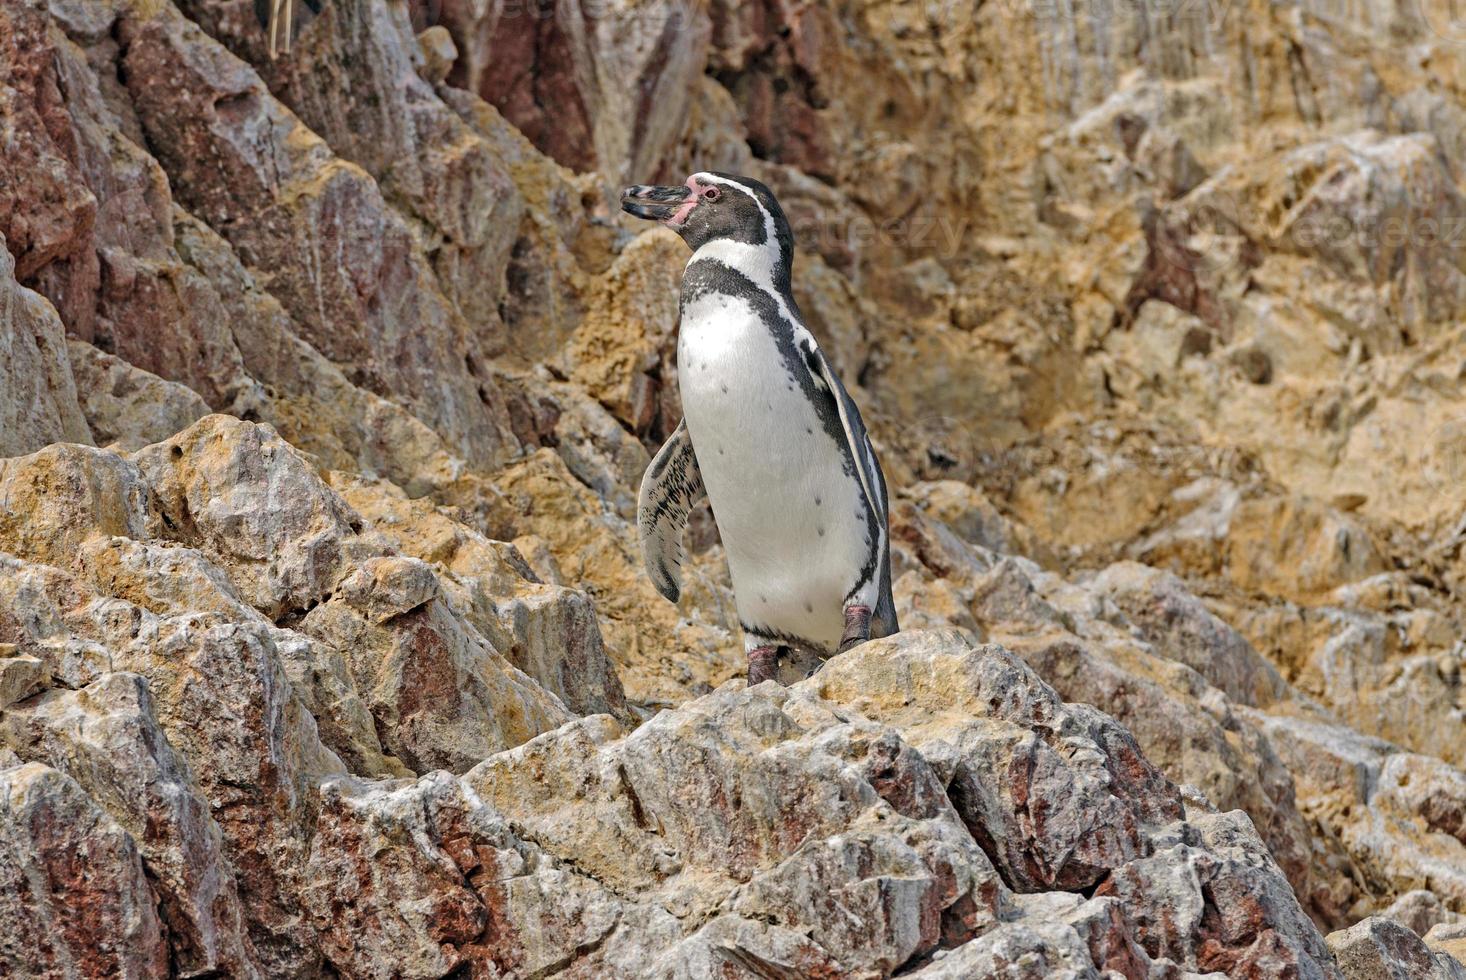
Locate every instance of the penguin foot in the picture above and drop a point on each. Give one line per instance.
(857, 627)
(763, 664)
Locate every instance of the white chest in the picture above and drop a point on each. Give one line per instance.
(791, 513)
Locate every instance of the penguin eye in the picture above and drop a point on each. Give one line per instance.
(711, 193)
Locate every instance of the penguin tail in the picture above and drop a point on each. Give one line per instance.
(883, 616)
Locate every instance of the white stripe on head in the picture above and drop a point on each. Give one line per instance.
(771, 236)
(757, 262)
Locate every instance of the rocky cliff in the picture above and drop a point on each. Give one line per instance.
(326, 382)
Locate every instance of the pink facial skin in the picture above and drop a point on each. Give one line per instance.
(683, 210)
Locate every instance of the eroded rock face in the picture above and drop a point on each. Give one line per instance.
(595, 86)
(359, 675)
(76, 900)
(764, 824)
(125, 406)
(1378, 947)
(106, 736)
(40, 404)
(1097, 791)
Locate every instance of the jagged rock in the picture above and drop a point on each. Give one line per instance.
(65, 495)
(1202, 897)
(965, 510)
(547, 631)
(730, 832)
(160, 578)
(154, 286)
(39, 405)
(256, 506)
(1026, 750)
(20, 677)
(442, 696)
(1420, 911)
(33, 622)
(659, 657)
(1376, 675)
(247, 711)
(669, 827)
(436, 54)
(381, 116)
(1147, 291)
(1182, 723)
(75, 900)
(1399, 815)
(699, 800)
(561, 241)
(711, 137)
(288, 196)
(1379, 949)
(597, 449)
(618, 79)
(1448, 939)
(220, 694)
(126, 407)
(270, 534)
(107, 738)
(1058, 935)
(99, 243)
(1297, 547)
(312, 402)
(1179, 627)
(623, 353)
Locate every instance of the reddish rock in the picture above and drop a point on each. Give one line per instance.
(99, 243)
(106, 736)
(351, 76)
(1211, 899)
(773, 59)
(245, 164)
(47, 213)
(73, 895)
(595, 86)
(1056, 794)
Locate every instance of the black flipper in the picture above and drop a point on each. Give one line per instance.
(872, 481)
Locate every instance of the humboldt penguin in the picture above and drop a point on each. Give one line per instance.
(769, 435)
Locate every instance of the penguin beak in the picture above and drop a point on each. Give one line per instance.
(670, 205)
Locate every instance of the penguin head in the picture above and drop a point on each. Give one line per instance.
(713, 206)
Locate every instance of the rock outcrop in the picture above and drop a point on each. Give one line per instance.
(327, 380)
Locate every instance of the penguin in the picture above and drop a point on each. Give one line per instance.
(769, 436)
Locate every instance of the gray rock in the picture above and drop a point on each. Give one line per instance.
(74, 899)
(1381, 949)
